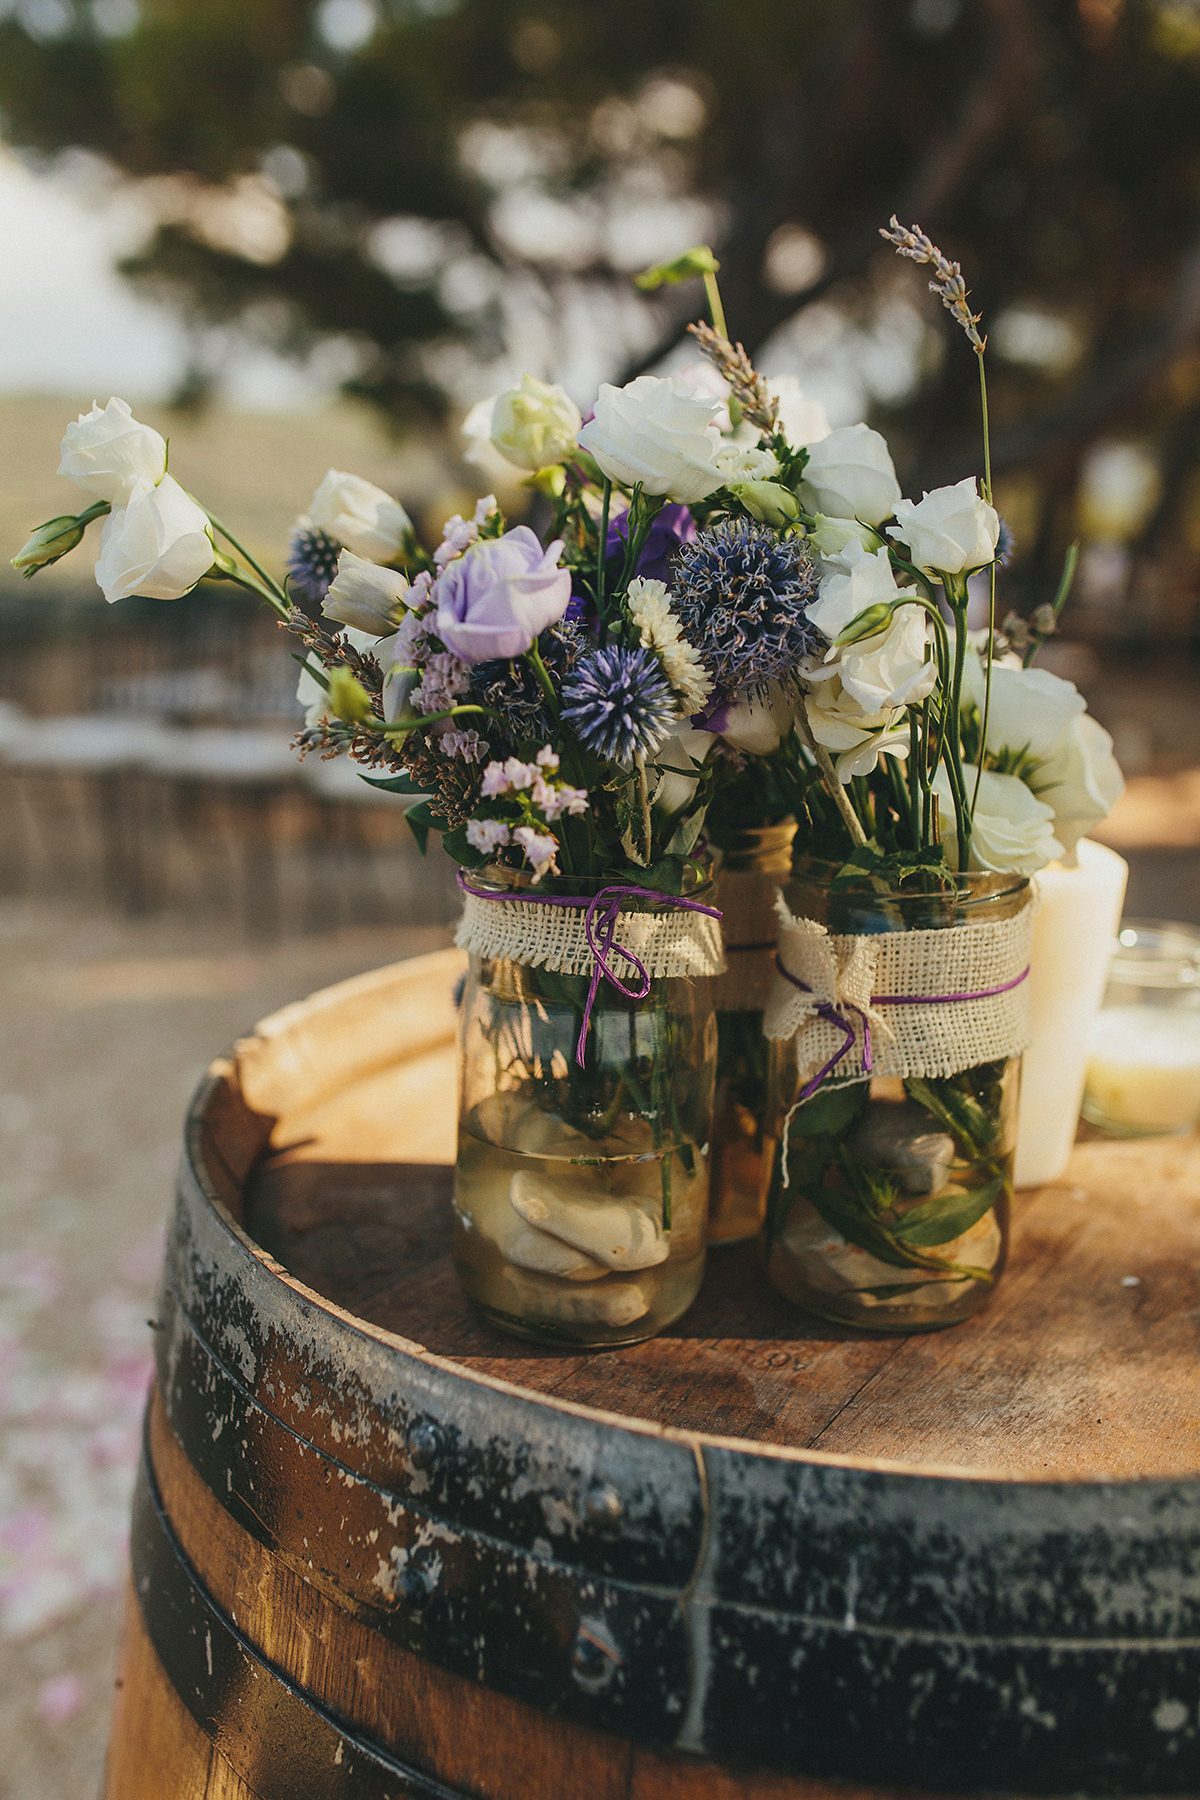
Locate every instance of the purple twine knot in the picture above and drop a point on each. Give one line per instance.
(603, 911)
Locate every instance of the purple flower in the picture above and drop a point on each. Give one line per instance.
(495, 599)
(673, 527)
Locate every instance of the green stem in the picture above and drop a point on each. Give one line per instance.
(833, 786)
(240, 578)
(602, 557)
(987, 494)
(956, 593)
(275, 596)
(987, 436)
(533, 657)
(1070, 564)
(716, 310)
(399, 727)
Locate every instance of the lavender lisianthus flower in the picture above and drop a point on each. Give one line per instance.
(618, 703)
(495, 599)
(673, 527)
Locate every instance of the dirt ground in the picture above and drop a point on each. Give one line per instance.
(105, 1028)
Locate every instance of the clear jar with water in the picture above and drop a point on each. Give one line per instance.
(581, 1191)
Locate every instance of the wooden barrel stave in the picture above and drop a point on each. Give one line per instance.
(738, 1601)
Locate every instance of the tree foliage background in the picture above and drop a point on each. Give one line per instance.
(449, 191)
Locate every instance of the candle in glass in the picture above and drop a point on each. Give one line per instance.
(1143, 1075)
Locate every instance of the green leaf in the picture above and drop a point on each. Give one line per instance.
(830, 1110)
(397, 784)
(455, 844)
(421, 823)
(847, 1215)
(948, 1216)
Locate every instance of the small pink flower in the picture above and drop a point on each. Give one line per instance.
(495, 781)
(467, 744)
(457, 534)
(547, 758)
(571, 800)
(520, 775)
(540, 849)
(487, 834)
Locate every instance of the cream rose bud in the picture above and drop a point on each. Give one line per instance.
(832, 538)
(364, 595)
(535, 424)
(361, 516)
(477, 430)
(1013, 831)
(158, 545)
(107, 452)
(950, 532)
(849, 474)
(659, 433)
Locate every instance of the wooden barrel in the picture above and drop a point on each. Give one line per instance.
(379, 1550)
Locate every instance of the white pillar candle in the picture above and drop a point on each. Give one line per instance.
(1078, 916)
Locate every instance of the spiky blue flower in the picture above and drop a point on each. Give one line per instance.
(740, 593)
(618, 703)
(312, 560)
(1005, 545)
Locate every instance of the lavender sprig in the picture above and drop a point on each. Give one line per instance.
(950, 287)
(750, 389)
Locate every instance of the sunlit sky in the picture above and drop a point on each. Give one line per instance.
(70, 323)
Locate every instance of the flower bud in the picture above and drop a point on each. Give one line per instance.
(767, 501)
(348, 698)
(698, 261)
(48, 543)
(365, 596)
(868, 622)
(535, 424)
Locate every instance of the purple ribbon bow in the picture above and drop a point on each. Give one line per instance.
(602, 914)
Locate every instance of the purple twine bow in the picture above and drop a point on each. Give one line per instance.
(601, 916)
(824, 1010)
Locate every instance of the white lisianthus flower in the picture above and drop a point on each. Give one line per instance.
(159, 544)
(890, 668)
(858, 738)
(757, 723)
(801, 420)
(535, 424)
(849, 475)
(364, 595)
(361, 516)
(1012, 832)
(1081, 781)
(480, 450)
(659, 433)
(861, 578)
(832, 538)
(682, 664)
(952, 531)
(745, 462)
(107, 452)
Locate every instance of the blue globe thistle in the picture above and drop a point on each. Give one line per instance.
(1005, 545)
(740, 593)
(312, 560)
(618, 703)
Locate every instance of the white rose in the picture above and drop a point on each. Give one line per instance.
(108, 453)
(1013, 831)
(890, 668)
(758, 725)
(706, 384)
(859, 738)
(850, 475)
(832, 538)
(361, 516)
(659, 433)
(480, 450)
(1031, 710)
(950, 532)
(158, 544)
(862, 578)
(535, 424)
(364, 595)
(801, 420)
(1081, 781)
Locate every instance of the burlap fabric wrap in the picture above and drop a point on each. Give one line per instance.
(670, 943)
(936, 1039)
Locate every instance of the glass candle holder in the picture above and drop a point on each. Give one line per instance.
(1143, 1076)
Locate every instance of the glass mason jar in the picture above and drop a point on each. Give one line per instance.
(580, 1193)
(895, 1214)
(1143, 1073)
(754, 865)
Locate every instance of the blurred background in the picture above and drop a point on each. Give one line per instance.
(297, 235)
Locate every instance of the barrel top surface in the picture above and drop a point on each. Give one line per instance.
(330, 1139)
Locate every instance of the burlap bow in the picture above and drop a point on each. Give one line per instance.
(823, 996)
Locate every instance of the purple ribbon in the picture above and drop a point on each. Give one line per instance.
(601, 916)
(824, 1010)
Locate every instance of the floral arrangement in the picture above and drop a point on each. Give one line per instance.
(728, 599)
